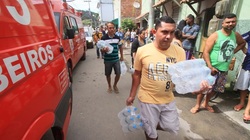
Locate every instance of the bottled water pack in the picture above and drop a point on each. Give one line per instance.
(130, 119)
(103, 44)
(188, 75)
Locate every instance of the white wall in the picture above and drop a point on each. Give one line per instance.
(106, 10)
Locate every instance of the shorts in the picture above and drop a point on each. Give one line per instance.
(220, 82)
(110, 65)
(165, 115)
(243, 80)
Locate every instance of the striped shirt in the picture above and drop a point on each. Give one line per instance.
(114, 56)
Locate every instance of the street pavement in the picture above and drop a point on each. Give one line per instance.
(94, 115)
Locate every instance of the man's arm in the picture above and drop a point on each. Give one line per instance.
(194, 35)
(206, 53)
(241, 43)
(121, 53)
(135, 84)
(184, 33)
(134, 47)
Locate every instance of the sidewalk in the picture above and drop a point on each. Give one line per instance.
(224, 103)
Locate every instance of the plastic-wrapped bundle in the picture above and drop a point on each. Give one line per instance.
(130, 119)
(194, 84)
(188, 75)
(180, 67)
(103, 44)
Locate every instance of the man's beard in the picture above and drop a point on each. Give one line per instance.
(229, 28)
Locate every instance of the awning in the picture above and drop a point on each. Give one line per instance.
(190, 1)
(142, 15)
(115, 21)
(162, 2)
(159, 3)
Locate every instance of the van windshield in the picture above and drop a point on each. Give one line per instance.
(57, 19)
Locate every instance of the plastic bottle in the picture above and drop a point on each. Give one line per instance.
(133, 118)
(191, 74)
(126, 112)
(179, 67)
(194, 85)
(132, 127)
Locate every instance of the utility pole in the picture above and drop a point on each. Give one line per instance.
(151, 16)
(119, 15)
(90, 15)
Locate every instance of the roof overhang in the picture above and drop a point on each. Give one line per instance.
(190, 1)
(142, 16)
(162, 2)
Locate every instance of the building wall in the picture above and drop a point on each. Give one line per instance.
(116, 8)
(128, 10)
(145, 6)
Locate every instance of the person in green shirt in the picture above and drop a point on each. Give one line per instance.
(218, 53)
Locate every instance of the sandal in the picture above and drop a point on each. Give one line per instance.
(246, 119)
(238, 107)
(109, 90)
(194, 110)
(209, 108)
(116, 89)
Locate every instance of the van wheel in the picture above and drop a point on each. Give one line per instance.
(48, 135)
(70, 72)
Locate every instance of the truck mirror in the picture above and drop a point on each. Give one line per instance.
(70, 33)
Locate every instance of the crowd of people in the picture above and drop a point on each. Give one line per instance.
(172, 44)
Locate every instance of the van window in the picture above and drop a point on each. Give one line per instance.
(65, 26)
(74, 24)
(57, 19)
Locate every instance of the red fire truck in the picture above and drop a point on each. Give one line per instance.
(35, 91)
(67, 18)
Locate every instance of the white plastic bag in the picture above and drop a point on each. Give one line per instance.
(123, 68)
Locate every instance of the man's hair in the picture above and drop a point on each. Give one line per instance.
(229, 15)
(165, 19)
(190, 16)
(110, 23)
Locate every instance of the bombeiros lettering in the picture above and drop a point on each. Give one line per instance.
(20, 65)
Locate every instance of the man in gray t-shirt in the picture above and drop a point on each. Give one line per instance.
(189, 33)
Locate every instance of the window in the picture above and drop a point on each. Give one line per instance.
(57, 19)
(74, 24)
(65, 27)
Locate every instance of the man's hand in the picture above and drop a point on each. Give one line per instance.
(214, 71)
(130, 101)
(204, 87)
(105, 49)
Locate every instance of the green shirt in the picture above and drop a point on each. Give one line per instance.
(223, 51)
